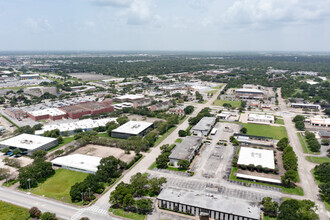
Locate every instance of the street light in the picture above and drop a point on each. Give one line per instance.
(29, 183)
(89, 192)
(82, 198)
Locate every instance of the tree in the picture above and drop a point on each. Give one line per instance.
(111, 126)
(39, 154)
(122, 120)
(227, 105)
(283, 143)
(189, 109)
(162, 160)
(155, 185)
(117, 196)
(298, 118)
(139, 184)
(35, 212)
(5, 150)
(300, 125)
(48, 216)
(183, 164)
(128, 202)
(16, 152)
(290, 176)
(182, 133)
(243, 130)
(297, 209)
(269, 207)
(144, 206)
(322, 172)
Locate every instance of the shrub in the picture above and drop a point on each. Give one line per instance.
(251, 167)
(48, 216)
(35, 212)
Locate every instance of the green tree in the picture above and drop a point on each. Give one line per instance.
(269, 207)
(243, 130)
(290, 176)
(144, 206)
(122, 120)
(111, 126)
(155, 185)
(182, 133)
(300, 125)
(189, 109)
(128, 202)
(35, 212)
(39, 154)
(183, 164)
(162, 160)
(283, 143)
(48, 216)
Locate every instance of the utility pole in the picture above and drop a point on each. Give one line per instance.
(82, 198)
(7, 178)
(89, 192)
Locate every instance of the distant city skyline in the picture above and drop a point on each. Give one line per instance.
(171, 25)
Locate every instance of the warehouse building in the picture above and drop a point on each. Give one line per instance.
(78, 162)
(204, 126)
(29, 76)
(254, 140)
(131, 128)
(208, 206)
(28, 143)
(262, 157)
(261, 119)
(87, 108)
(186, 150)
(85, 125)
(48, 113)
(129, 98)
(250, 94)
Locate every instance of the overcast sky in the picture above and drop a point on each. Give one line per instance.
(189, 25)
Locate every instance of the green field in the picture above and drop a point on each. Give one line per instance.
(179, 140)
(279, 121)
(13, 212)
(266, 130)
(130, 215)
(105, 134)
(161, 138)
(318, 159)
(66, 140)
(235, 104)
(303, 145)
(58, 186)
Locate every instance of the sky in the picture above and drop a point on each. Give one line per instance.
(166, 25)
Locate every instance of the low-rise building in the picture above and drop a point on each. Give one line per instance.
(261, 119)
(186, 150)
(78, 162)
(160, 106)
(324, 134)
(321, 122)
(28, 143)
(131, 128)
(204, 126)
(252, 140)
(262, 157)
(303, 105)
(177, 110)
(224, 115)
(248, 94)
(87, 108)
(208, 206)
(29, 76)
(16, 113)
(129, 98)
(48, 113)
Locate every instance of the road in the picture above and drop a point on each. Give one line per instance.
(307, 181)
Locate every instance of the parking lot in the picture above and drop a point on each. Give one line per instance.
(214, 156)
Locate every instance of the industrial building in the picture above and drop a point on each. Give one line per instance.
(160, 106)
(186, 150)
(252, 140)
(131, 128)
(29, 76)
(28, 143)
(16, 113)
(85, 125)
(262, 157)
(129, 98)
(48, 113)
(78, 162)
(303, 105)
(247, 94)
(208, 206)
(261, 119)
(87, 108)
(204, 126)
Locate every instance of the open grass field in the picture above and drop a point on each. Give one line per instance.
(13, 212)
(279, 121)
(130, 215)
(235, 104)
(66, 140)
(303, 144)
(266, 130)
(318, 159)
(58, 186)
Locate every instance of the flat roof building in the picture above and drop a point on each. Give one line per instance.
(324, 134)
(246, 94)
(254, 156)
(78, 162)
(204, 126)
(210, 206)
(29, 76)
(48, 113)
(85, 125)
(131, 128)
(261, 119)
(186, 150)
(28, 143)
(245, 139)
(129, 98)
(303, 105)
(87, 108)
(321, 122)
(224, 115)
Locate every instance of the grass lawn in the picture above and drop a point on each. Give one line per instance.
(105, 134)
(153, 166)
(269, 218)
(66, 140)
(266, 130)
(179, 140)
(318, 159)
(175, 169)
(235, 104)
(217, 87)
(296, 191)
(212, 91)
(13, 212)
(58, 186)
(279, 121)
(303, 144)
(130, 215)
(160, 139)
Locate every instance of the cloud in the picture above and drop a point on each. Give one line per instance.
(37, 25)
(267, 13)
(113, 3)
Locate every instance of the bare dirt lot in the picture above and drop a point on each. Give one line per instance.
(143, 118)
(102, 151)
(89, 76)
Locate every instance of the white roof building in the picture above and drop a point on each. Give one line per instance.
(47, 111)
(254, 156)
(86, 124)
(261, 119)
(78, 162)
(129, 97)
(322, 122)
(131, 128)
(29, 143)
